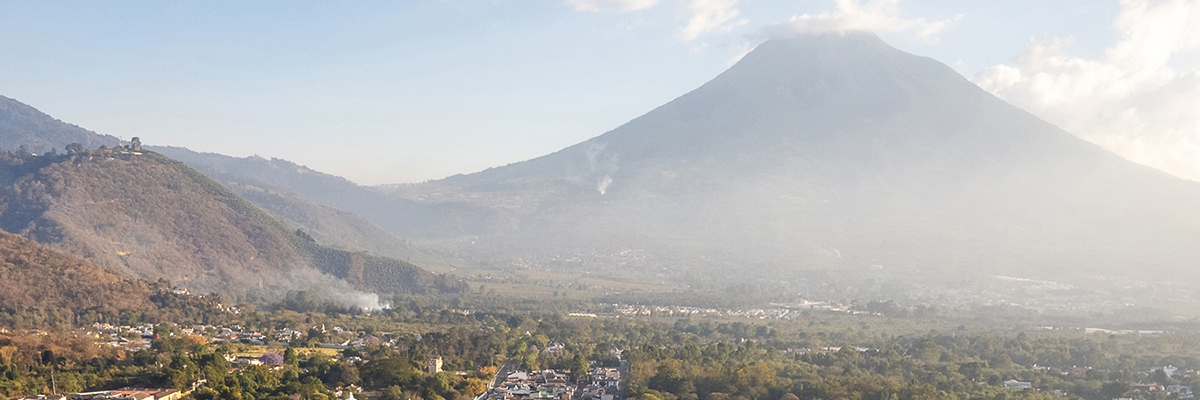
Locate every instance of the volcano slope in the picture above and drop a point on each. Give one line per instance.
(825, 151)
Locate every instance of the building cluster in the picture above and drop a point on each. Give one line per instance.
(603, 384)
(1154, 390)
(120, 336)
(819, 350)
(1140, 390)
(547, 384)
(129, 393)
(776, 311)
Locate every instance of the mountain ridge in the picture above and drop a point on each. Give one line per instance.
(151, 217)
(327, 206)
(254, 178)
(26, 126)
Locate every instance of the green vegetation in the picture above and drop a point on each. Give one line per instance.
(818, 355)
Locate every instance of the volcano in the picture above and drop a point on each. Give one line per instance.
(834, 150)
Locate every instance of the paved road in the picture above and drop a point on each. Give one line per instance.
(503, 372)
(622, 385)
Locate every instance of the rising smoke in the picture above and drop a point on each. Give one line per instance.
(335, 289)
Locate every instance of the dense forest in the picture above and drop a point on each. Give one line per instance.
(41, 277)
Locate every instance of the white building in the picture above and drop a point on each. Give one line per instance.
(434, 365)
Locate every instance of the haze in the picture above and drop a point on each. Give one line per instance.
(410, 91)
(600, 200)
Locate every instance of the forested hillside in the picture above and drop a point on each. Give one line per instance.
(36, 276)
(45, 287)
(147, 216)
(300, 197)
(329, 226)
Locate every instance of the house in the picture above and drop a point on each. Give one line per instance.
(1015, 384)
(351, 390)
(434, 365)
(1183, 392)
(243, 361)
(130, 393)
(555, 348)
(605, 377)
(1169, 370)
(1144, 387)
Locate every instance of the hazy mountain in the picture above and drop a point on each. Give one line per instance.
(24, 125)
(393, 214)
(826, 151)
(145, 215)
(832, 150)
(270, 184)
(326, 206)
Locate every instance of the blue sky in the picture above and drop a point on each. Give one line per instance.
(389, 92)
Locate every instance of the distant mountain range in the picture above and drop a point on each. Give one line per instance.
(826, 152)
(314, 201)
(412, 218)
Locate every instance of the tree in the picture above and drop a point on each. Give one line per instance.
(1159, 376)
(476, 386)
(1112, 390)
(531, 361)
(289, 357)
(74, 148)
(393, 393)
(579, 368)
(271, 359)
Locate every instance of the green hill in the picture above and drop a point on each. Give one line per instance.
(148, 216)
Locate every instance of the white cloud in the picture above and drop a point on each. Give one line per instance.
(709, 15)
(743, 50)
(610, 5)
(1131, 100)
(855, 15)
